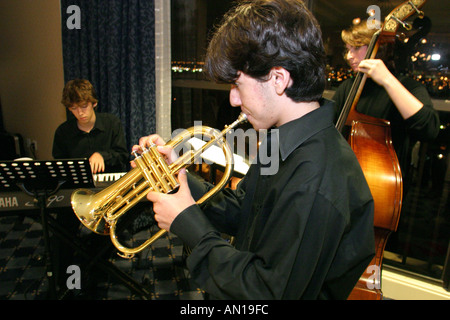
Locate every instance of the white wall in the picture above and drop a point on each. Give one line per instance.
(31, 70)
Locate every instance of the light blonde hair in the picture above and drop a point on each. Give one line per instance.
(358, 35)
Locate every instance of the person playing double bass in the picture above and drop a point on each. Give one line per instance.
(399, 99)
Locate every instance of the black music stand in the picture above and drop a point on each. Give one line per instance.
(40, 180)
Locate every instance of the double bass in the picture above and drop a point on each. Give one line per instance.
(370, 140)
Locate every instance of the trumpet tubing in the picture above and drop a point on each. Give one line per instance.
(100, 211)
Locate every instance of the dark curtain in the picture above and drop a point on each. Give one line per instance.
(114, 48)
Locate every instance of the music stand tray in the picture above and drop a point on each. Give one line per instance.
(49, 175)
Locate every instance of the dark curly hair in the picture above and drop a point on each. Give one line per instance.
(256, 36)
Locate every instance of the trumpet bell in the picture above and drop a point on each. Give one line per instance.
(83, 204)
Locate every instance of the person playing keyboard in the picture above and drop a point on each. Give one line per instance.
(90, 134)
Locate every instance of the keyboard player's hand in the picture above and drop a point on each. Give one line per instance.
(97, 163)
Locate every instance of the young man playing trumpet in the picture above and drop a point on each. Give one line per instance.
(306, 230)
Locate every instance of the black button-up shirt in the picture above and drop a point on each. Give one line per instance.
(304, 232)
(107, 138)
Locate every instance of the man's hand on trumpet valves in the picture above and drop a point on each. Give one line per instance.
(154, 139)
(168, 206)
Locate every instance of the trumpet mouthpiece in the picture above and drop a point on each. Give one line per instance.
(242, 117)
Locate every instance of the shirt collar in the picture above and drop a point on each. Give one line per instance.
(295, 132)
(99, 122)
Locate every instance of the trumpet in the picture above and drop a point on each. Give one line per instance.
(101, 211)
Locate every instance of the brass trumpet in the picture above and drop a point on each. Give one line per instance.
(100, 211)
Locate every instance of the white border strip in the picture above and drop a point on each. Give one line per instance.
(400, 287)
